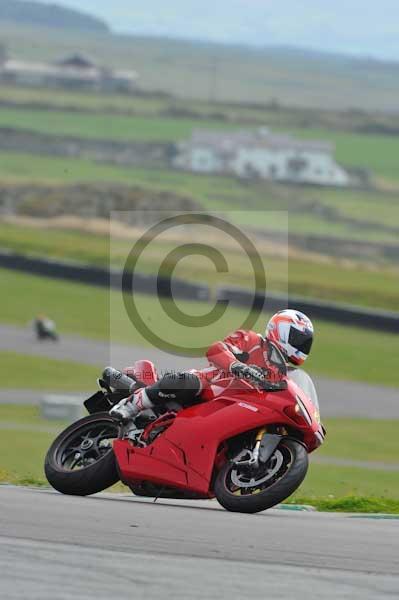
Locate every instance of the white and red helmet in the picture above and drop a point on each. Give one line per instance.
(292, 332)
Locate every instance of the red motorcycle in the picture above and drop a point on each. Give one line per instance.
(247, 445)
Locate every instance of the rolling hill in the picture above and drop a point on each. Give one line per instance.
(49, 15)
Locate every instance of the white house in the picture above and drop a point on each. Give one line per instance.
(261, 154)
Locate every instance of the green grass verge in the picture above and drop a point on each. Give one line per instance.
(22, 450)
(332, 482)
(23, 456)
(27, 415)
(361, 439)
(340, 282)
(97, 313)
(45, 374)
(326, 487)
(351, 504)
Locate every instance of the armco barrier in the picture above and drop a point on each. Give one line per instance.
(316, 309)
(146, 284)
(150, 284)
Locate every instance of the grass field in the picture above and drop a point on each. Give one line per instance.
(374, 207)
(45, 374)
(188, 69)
(331, 280)
(86, 311)
(324, 481)
(352, 214)
(273, 113)
(324, 485)
(112, 127)
(378, 212)
(43, 98)
(374, 152)
(362, 439)
(27, 415)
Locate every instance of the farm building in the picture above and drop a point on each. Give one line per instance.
(73, 72)
(262, 154)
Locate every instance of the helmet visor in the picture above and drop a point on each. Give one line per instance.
(301, 340)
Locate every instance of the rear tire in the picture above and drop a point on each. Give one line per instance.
(279, 490)
(100, 472)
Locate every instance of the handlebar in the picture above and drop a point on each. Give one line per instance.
(270, 386)
(264, 384)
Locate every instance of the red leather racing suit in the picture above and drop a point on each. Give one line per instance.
(200, 385)
(241, 346)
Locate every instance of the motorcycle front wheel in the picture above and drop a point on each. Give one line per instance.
(81, 461)
(240, 489)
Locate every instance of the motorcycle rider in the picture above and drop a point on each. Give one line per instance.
(241, 354)
(45, 328)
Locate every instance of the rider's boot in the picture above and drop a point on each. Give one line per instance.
(128, 408)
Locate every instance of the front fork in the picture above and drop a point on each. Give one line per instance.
(265, 445)
(253, 460)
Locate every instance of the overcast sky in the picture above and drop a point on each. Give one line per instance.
(365, 27)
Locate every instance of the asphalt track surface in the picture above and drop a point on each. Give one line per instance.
(337, 398)
(58, 547)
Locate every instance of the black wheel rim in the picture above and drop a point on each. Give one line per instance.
(249, 482)
(86, 445)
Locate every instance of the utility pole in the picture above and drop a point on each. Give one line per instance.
(213, 78)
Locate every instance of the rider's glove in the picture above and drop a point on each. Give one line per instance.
(251, 372)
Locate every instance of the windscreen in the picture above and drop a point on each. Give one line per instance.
(303, 380)
(276, 358)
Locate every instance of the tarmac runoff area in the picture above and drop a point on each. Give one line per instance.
(109, 546)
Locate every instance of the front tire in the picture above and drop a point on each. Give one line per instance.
(81, 461)
(282, 475)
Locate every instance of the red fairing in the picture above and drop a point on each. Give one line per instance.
(187, 453)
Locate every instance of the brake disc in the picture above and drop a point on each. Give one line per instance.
(249, 480)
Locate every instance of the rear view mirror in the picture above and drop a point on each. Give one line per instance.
(276, 358)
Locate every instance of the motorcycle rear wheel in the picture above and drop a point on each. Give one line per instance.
(254, 492)
(81, 461)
